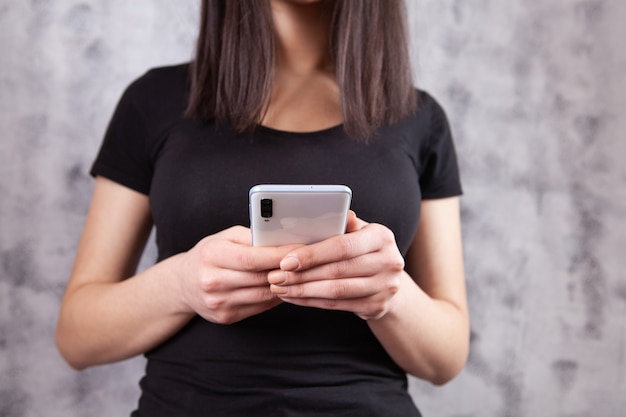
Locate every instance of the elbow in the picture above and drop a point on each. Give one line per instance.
(442, 374)
(73, 360)
(451, 368)
(68, 357)
(443, 368)
(67, 349)
(443, 377)
(454, 357)
(71, 342)
(75, 365)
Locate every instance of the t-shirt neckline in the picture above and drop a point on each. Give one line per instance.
(303, 135)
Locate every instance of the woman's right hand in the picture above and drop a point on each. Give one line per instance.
(224, 278)
(110, 312)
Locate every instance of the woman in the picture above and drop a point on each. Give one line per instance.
(280, 91)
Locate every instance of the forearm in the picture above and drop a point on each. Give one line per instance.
(107, 322)
(426, 337)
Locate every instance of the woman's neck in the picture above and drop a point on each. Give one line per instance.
(302, 33)
(305, 95)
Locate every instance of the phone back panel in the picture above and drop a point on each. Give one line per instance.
(299, 213)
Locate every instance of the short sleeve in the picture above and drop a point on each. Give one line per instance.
(124, 156)
(439, 177)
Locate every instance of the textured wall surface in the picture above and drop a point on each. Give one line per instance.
(536, 93)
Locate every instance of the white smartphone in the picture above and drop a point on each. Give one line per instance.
(284, 214)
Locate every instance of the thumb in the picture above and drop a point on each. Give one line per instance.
(354, 223)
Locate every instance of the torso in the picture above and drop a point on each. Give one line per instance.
(197, 176)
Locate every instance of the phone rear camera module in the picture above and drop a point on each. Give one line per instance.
(266, 208)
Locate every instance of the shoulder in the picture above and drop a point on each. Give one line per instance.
(167, 76)
(421, 123)
(428, 107)
(160, 84)
(428, 122)
(158, 97)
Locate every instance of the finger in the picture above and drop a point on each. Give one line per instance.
(241, 304)
(229, 254)
(228, 280)
(350, 245)
(236, 234)
(235, 299)
(336, 289)
(362, 266)
(365, 308)
(243, 236)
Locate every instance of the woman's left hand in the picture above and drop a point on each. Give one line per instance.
(359, 272)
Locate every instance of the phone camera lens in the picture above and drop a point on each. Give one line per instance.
(266, 207)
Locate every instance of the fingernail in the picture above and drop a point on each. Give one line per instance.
(289, 263)
(275, 289)
(276, 277)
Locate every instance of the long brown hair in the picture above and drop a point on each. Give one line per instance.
(232, 74)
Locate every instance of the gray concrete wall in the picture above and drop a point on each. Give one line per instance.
(536, 93)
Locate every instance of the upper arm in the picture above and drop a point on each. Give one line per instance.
(435, 258)
(114, 235)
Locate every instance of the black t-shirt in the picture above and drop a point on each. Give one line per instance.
(289, 361)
